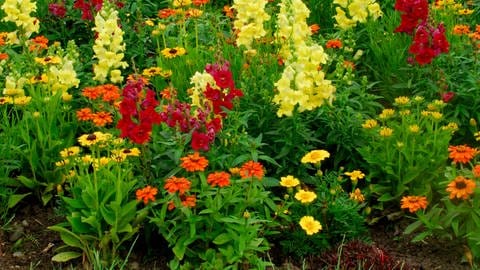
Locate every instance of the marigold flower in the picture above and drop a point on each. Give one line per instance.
(357, 195)
(461, 153)
(289, 181)
(414, 128)
(228, 10)
(386, 113)
(334, 43)
(173, 52)
(3, 56)
(315, 156)
(194, 162)
(252, 169)
(180, 184)
(402, 100)
(221, 179)
(146, 194)
(200, 2)
(355, 175)
(305, 196)
(414, 203)
(189, 201)
(461, 188)
(310, 225)
(235, 171)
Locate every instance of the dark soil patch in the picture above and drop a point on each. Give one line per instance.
(26, 243)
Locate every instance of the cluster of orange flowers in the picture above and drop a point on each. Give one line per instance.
(107, 93)
(38, 43)
(463, 29)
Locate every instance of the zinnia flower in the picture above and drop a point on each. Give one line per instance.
(252, 169)
(461, 188)
(194, 162)
(310, 225)
(476, 171)
(289, 181)
(180, 184)
(315, 156)
(414, 203)
(221, 179)
(189, 201)
(305, 196)
(334, 43)
(461, 153)
(146, 194)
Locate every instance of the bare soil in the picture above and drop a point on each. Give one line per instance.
(26, 243)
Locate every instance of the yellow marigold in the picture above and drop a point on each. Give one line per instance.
(305, 196)
(386, 132)
(370, 123)
(355, 175)
(289, 181)
(315, 156)
(310, 225)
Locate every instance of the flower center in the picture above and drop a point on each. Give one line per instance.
(173, 51)
(91, 137)
(460, 185)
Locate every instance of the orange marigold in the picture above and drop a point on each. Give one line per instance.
(461, 188)
(252, 169)
(334, 43)
(180, 184)
(110, 93)
(189, 201)
(39, 42)
(146, 194)
(221, 179)
(84, 114)
(414, 203)
(194, 162)
(461, 153)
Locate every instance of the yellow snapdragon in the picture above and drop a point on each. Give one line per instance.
(358, 12)
(18, 11)
(249, 21)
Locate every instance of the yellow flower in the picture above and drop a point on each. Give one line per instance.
(22, 100)
(93, 138)
(370, 123)
(402, 100)
(48, 60)
(355, 175)
(414, 128)
(62, 163)
(305, 196)
(70, 152)
(436, 115)
(315, 156)
(357, 195)
(386, 132)
(181, 3)
(173, 52)
(310, 225)
(386, 113)
(289, 181)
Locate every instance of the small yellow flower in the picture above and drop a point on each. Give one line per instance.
(70, 152)
(24, 100)
(414, 128)
(405, 112)
(310, 225)
(48, 60)
(305, 196)
(418, 99)
(402, 100)
(386, 132)
(289, 181)
(62, 163)
(173, 52)
(355, 175)
(357, 195)
(370, 123)
(315, 156)
(436, 115)
(387, 113)
(149, 23)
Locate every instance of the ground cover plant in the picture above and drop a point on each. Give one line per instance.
(240, 132)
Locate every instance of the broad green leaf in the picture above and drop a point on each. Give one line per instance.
(16, 198)
(66, 256)
(27, 182)
(68, 237)
(222, 239)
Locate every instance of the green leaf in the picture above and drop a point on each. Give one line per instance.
(222, 239)
(27, 182)
(68, 237)
(66, 256)
(16, 198)
(46, 198)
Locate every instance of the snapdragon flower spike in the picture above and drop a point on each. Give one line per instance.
(413, 13)
(428, 42)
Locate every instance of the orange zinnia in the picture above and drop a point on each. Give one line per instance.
(199, 2)
(461, 188)
(461, 29)
(110, 92)
(166, 12)
(100, 119)
(92, 92)
(476, 171)
(228, 11)
(461, 153)
(3, 56)
(222, 179)
(252, 169)
(84, 114)
(180, 184)
(334, 43)
(414, 203)
(314, 28)
(189, 201)
(146, 194)
(194, 162)
(39, 42)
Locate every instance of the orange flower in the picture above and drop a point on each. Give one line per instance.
(3, 56)
(228, 11)
(39, 42)
(461, 29)
(348, 64)
(110, 92)
(414, 203)
(180, 184)
(146, 194)
(314, 28)
(171, 206)
(461, 188)
(199, 2)
(92, 92)
(222, 179)
(84, 114)
(189, 201)
(100, 119)
(168, 92)
(166, 12)
(252, 169)
(334, 43)
(461, 153)
(476, 170)
(194, 162)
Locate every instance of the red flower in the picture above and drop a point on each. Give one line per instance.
(200, 141)
(448, 96)
(57, 10)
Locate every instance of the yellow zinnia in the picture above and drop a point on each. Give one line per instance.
(305, 196)
(289, 181)
(315, 156)
(310, 225)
